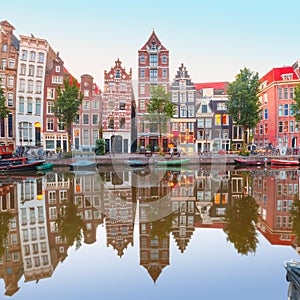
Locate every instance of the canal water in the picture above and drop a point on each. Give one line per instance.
(149, 233)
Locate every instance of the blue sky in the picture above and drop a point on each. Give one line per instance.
(214, 39)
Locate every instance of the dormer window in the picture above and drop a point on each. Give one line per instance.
(118, 74)
(57, 69)
(287, 76)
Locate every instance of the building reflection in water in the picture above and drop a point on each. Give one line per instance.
(42, 216)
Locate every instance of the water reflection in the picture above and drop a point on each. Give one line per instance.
(43, 216)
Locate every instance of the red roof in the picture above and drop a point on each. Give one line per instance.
(211, 85)
(276, 74)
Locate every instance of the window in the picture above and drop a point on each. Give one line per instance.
(285, 93)
(204, 108)
(61, 125)
(21, 105)
(111, 123)
(142, 73)
(280, 126)
(23, 69)
(280, 110)
(32, 56)
(4, 47)
(164, 73)
(24, 55)
(142, 89)
(153, 60)
(50, 124)
(10, 99)
(39, 72)
(265, 128)
(57, 69)
(76, 120)
(142, 104)
(38, 106)
(11, 63)
(279, 93)
(86, 104)
(22, 85)
(57, 79)
(50, 93)
(50, 107)
(164, 59)
(111, 104)
(38, 87)
(142, 59)
(41, 57)
(95, 104)
(217, 119)
(208, 123)
(29, 105)
(225, 119)
(95, 119)
(292, 128)
(86, 93)
(183, 111)
(122, 105)
(25, 131)
(174, 97)
(95, 136)
(3, 65)
(191, 111)
(122, 123)
(286, 109)
(266, 114)
(85, 119)
(200, 123)
(86, 137)
(153, 75)
(30, 86)
(118, 74)
(30, 70)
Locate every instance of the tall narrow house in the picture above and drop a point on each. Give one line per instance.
(153, 69)
(117, 109)
(36, 56)
(183, 124)
(9, 52)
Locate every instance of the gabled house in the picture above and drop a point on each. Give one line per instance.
(183, 124)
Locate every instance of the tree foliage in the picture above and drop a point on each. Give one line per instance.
(240, 220)
(295, 214)
(243, 104)
(4, 111)
(100, 146)
(70, 224)
(4, 230)
(160, 108)
(296, 104)
(67, 104)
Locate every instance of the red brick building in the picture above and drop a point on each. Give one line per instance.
(277, 126)
(153, 69)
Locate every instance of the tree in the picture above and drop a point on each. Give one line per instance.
(243, 104)
(160, 109)
(5, 218)
(67, 104)
(100, 146)
(4, 111)
(70, 224)
(296, 104)
(240, 220)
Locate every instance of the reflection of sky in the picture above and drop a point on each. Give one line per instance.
(210, 268)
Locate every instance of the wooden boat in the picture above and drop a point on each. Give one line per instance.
(284, 162)
(83, 165)
(248, 162)
(19, 164)
(293, 273)
(45, 166)
(137, 163)
(172, 162)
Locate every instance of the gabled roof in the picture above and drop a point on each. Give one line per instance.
(276, 74)
(211, 85)
(153, 39)
(5, 23)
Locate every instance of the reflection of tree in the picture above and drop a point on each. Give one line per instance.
(161, 228)
(4, 229)
(240, 224)
(70, 224)
(295, 213)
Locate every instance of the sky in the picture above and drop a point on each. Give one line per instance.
(214, 39)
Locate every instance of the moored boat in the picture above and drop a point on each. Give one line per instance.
(137, 163)
(172, 162)
(284, 162)
(19, 165)
(83, 165)
(249, 162)
(45, 166)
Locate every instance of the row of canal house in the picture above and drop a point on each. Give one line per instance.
(31, 71)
